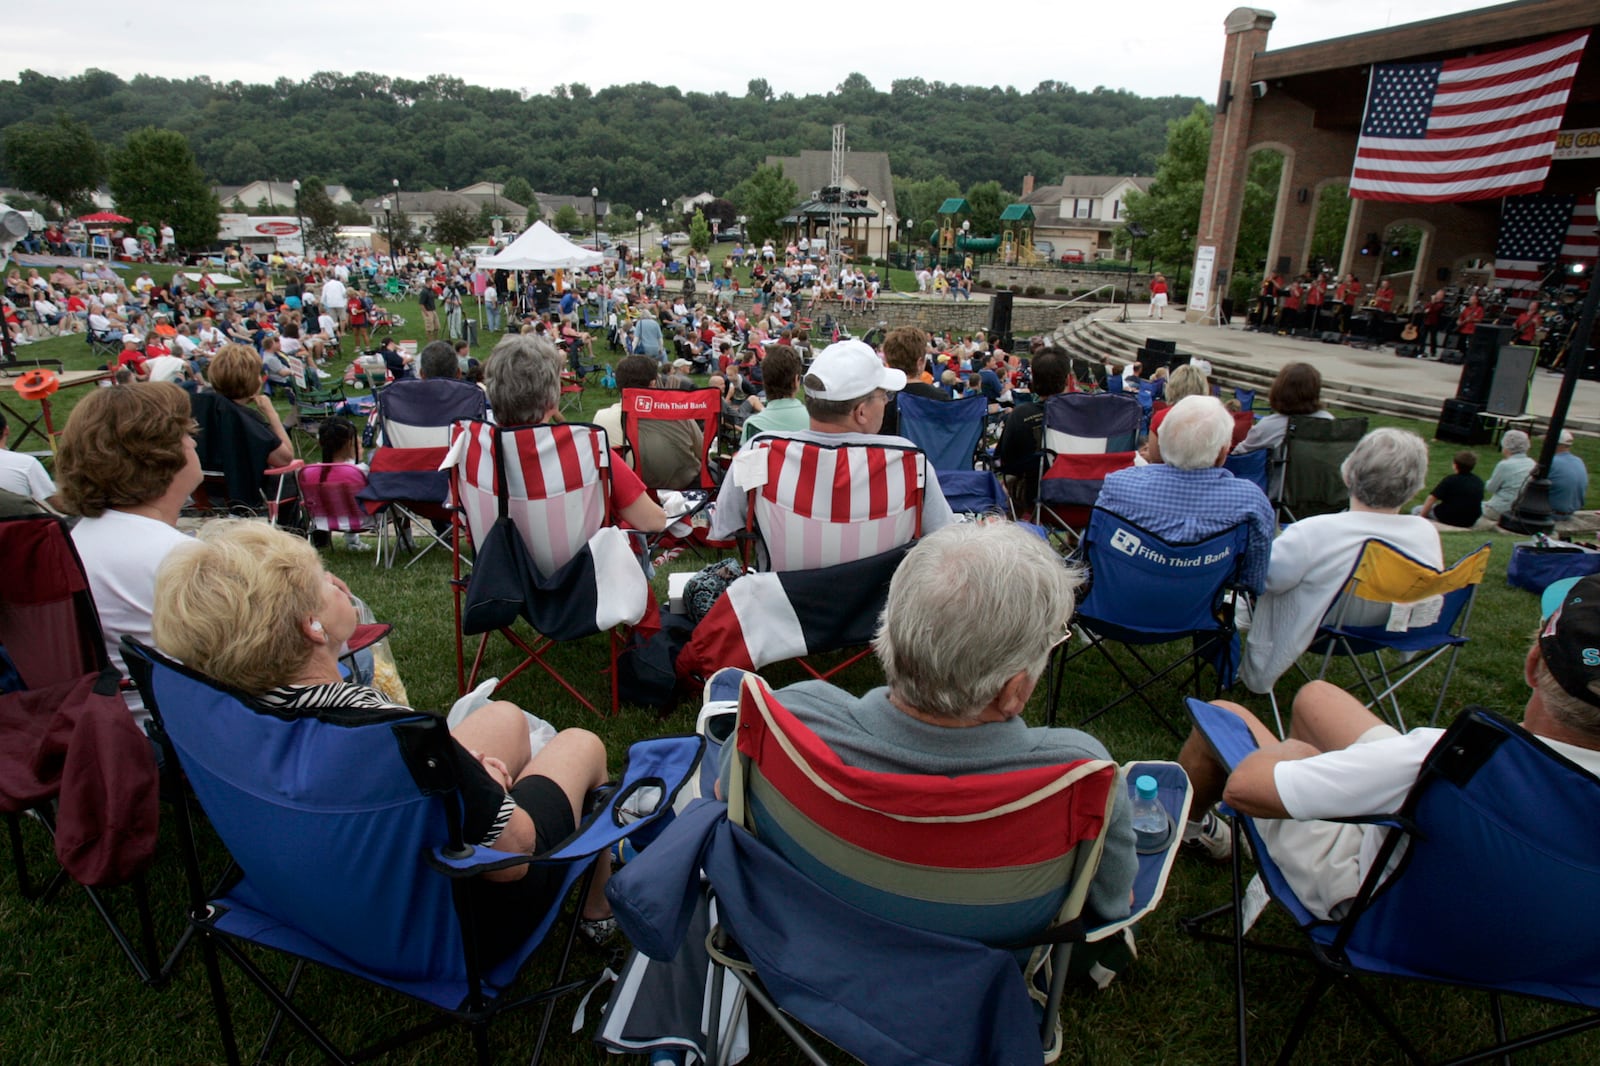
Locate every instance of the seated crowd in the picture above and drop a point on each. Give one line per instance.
(254, 608)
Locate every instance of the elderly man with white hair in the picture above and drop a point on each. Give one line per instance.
(1188, 496)
(1510, 474)
(1312, 557)
(846, 392)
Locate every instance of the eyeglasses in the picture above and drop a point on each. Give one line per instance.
(1064, 638)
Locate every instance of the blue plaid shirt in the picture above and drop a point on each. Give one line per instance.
(1189, 505)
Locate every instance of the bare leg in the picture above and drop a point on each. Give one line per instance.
(499, 729)
(1206, 775)
(1329, 718)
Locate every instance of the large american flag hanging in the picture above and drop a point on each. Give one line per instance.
(1473, 128)
(1541, 231)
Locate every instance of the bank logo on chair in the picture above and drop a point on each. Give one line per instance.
(1125, 542)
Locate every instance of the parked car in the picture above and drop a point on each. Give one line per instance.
(678, 238)
(1072, 255)
(1047, 249)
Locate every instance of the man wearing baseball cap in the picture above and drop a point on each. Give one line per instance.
(1569, 480)
(846, 390)
(1341, 761)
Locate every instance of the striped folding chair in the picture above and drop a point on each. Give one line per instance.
(1002, 859)
(1086, 437)
(329, 494)
(535, 501)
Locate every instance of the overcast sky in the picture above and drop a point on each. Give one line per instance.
(1155, 48)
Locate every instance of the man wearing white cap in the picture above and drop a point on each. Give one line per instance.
(846, 391)
(1569, 479)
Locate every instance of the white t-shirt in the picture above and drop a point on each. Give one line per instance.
(333, 294)
(1310, 561)
(1368, 779)
(166, 368)
(120, 553)
(25, 476)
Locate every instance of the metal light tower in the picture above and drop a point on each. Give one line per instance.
(300, 218)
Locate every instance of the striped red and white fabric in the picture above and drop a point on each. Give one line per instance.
(1472, 128)
(823, 505)
(556, 485)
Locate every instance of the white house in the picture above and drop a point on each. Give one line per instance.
(1083, 213)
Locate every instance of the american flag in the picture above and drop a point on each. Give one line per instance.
(1537, 230)
(1473, 128)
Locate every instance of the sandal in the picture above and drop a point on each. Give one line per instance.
(597, 931)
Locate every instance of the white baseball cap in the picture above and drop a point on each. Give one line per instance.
(1565, 438)
(849, 370)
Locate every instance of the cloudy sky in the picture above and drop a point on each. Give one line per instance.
(1156, 47)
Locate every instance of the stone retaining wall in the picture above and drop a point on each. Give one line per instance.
(957, 316)
(1052, 278)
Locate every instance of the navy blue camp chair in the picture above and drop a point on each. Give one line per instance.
(1147, 591)
(1494, 813)
(947, 431)
(975, 492)
(1250, 466)
(1246, 398)
(366, 873)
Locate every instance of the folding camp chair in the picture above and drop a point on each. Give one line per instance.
(571, 392)
(1086, 437)
(536, 503)
(312, 407)
(949, 432)
(664, 431)
(1391, 602)
(1309, 481)
(405, 476)
(1494, 813)
(233, 446)
(102, 345)
(392, 898)
(50, 631)
(1250, 466)
(846, 513)
(330, 495)
(897, 881)
(1146, 591)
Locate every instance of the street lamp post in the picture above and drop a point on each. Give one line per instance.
(888, 224)
(388, 226)
(594, 194)
(638, 241)
(299, 218)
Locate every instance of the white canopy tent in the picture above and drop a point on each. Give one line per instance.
(541, 248)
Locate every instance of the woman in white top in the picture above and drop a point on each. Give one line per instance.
(127, 463)
(1312, 557)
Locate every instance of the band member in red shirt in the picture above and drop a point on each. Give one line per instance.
(1528, 324)
(1469, 316)
(1433, 322)
(1348, 293)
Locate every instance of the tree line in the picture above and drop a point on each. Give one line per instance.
(638, 143)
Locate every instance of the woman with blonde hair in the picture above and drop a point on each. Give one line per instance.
(1186, 380)
(250, 606)
(235, 373)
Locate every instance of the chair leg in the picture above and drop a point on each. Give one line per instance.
(1302, 1018)
(19, 862)
(219, 998)
(1241, 1037)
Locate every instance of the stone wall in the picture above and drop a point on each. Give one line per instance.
(1074, 281)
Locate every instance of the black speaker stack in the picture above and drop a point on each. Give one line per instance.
(1156, 354)
(1000, 319)
(1458, 418)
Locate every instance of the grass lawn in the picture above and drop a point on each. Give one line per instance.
(67, 997)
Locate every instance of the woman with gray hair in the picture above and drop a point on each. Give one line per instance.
(1510, 474)
(1312, 558)
(523, 379)
(1188, 380)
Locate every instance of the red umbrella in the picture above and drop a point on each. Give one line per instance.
(109, 218)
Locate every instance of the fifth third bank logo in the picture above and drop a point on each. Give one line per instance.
(1126, 542)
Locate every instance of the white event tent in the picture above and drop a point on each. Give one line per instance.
(541, 248)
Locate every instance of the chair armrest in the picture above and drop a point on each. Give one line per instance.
(292, 467)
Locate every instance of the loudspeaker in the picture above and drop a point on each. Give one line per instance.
(1508, 390)
(1000, 318)
(1477, 368)
(1406, 351)
(1459, 422)
(1155, 345)
(1332, 336)
(1450, 355)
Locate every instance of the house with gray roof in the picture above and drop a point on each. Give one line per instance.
(1081, 214)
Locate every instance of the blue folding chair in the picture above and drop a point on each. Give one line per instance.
(1246, 398)
(947, 431)
(1146, 591)
(1250, 466)
(367, 873)
(974, 492)
(1493, 815)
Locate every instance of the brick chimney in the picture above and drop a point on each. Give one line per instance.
(1027, 184)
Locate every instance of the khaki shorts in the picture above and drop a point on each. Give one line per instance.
(1321, 860)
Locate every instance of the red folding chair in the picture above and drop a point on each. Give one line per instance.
(550, 485)
(659, 429)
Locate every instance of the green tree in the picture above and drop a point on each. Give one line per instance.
(455, 225)
(568, 220)
(765, 197)
(1172, 206)
(619, 219)
(919, 201)
(60, 161)
(154, 176)
(320, 214)
(699, 232)
(518, 191)
(353, 214)
(987, 200)
(535, 212)
(1327, 235)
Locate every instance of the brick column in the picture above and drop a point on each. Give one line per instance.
(1227, 169)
